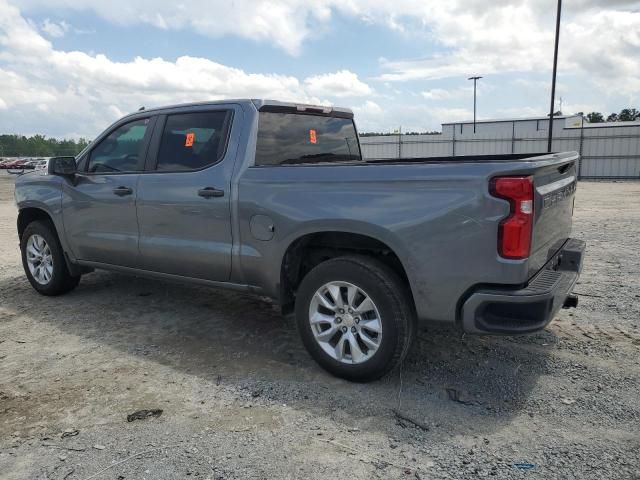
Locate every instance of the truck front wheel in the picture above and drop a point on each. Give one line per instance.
(354, 317)
(43, 260)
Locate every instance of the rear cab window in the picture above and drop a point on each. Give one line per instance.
(299, 139)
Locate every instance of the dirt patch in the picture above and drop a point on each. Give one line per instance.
(242, 399)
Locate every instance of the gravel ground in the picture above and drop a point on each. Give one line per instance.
(241, 398)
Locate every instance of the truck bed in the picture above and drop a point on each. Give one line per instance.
(555, 180)
(437, 214)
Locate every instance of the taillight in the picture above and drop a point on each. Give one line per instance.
(514, 232)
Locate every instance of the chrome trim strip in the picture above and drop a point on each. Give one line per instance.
(552, 187)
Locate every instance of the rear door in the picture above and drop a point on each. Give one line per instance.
(184, 196)
(555, 188)
(99, 207)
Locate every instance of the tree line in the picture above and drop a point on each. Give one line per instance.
(625, 115)
(39, 146)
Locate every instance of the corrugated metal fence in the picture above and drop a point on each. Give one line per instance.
(606, 152)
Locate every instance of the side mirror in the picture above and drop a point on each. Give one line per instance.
(65, 166)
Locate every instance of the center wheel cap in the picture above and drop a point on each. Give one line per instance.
(347, 320)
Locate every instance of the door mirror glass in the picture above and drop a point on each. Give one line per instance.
(65, 166)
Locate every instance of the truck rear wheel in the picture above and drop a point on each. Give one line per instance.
(43, 260)
(354, 317)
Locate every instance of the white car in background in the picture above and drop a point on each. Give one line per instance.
(41, 163)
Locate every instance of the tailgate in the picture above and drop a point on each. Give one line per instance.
(555, 187)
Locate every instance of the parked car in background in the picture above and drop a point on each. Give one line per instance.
(30, 164)
(41, 163)
(8, 162)
(24, 163)
(275, 199)
(17, 164)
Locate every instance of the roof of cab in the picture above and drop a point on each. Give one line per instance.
(258, 103)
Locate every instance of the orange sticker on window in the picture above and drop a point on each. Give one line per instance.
(191, 137)
(312, 136)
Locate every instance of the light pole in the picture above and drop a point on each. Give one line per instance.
(553, 80)
(475, 80)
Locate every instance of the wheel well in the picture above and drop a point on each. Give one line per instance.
(28, 215)
(312, 249)
(31, 214)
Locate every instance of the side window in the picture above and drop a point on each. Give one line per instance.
(191, 141)
(120, 151)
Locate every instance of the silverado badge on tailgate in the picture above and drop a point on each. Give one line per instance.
(556, 196)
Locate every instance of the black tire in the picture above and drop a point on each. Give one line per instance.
(61, 280)
(388, 293)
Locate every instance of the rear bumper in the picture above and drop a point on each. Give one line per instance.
(499, 310)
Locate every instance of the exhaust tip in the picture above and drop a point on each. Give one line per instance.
(571, 301)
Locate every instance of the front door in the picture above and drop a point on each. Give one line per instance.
(99, 206)
(184, 196)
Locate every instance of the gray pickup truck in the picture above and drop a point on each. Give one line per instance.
(275, 198)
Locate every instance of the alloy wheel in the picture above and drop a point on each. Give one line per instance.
(39, 259)
(345, 322)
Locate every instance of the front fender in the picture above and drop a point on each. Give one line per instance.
(42, 192)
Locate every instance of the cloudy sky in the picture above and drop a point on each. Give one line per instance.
(70, 67)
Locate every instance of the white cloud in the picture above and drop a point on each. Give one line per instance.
(437, 94)
(71, 90)
(596, 41)
(284, 23)
(369, 108)
(370, 116)
(370, 111)
(444, 114)
(54, 29)
(515, 112)
(605, 47)
(411, 116)
(441, 94)
(17, 90)
(339, 84)
(599, 47)
(450, 95)
(599, 37)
